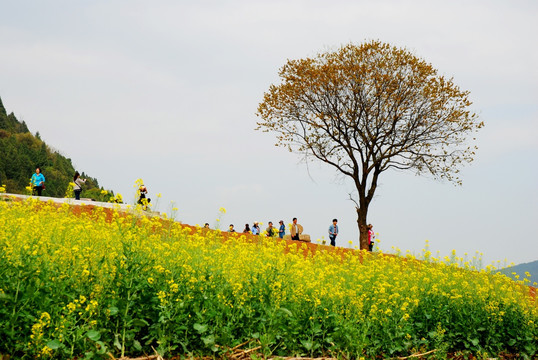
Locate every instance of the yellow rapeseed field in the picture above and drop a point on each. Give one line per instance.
(96, 284)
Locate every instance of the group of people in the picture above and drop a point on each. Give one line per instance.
(37, 183)
(271, 231)
(296, 230)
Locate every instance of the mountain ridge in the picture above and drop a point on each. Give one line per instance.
(521, 270)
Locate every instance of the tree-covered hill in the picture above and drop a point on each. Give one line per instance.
(522, 269)
(21, 152)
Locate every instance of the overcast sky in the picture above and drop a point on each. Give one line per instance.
(167, 91)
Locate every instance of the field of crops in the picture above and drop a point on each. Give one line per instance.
(93, 284)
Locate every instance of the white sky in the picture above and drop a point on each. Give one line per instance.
(167, 91)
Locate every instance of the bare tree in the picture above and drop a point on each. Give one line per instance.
(369, 108)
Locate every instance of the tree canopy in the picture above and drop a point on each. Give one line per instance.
(368, 108)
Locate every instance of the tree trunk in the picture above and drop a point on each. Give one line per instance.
(363, 230)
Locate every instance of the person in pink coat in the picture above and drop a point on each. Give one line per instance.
(371, 237)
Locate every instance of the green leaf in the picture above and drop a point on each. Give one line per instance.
(286, 311)
(93, 335)
(209, 340)
(308, 344)
(530, 349)
(140, 322)
(201, 328)
(113, 310)
(102, 347)
(137, 345)
(54, 344)
(474, 341)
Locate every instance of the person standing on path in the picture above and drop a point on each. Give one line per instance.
(255, 228)
(270, 231)
(281, 229)
(296, 230)
(38, 182)
(333, 232)
(77, 188)
(142, 198)
(371, 237)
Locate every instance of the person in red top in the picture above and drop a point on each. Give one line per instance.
(371, 237)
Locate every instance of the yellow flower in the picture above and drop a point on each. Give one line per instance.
(46, 351)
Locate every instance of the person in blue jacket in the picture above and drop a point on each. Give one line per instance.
(333, 232)
(37, 182)
(281, 229)
(255, 228)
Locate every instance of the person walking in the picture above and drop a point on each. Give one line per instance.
(247, 229)
(296, 230)
(281, 229)
(333, 232)
(77, 188)
(37, 182)
(371, 237)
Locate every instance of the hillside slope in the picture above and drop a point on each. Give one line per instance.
(522, 269)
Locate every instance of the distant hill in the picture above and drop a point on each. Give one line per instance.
(21, 152)
(521, 269)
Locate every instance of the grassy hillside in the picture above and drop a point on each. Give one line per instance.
(21, 152)
(81, 282)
